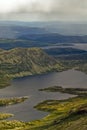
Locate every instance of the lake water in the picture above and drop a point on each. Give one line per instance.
(28, 86)
(81, 46)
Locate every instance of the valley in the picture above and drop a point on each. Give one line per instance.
(50, 69)
(42, 65)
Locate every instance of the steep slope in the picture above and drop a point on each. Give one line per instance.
(27, 61)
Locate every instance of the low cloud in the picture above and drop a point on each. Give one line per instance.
(43, 10)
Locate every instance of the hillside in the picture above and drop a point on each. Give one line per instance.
(64, 114)
(68, 114)
(20, 62)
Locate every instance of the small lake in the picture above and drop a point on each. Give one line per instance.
(81, 46)
(28, 86)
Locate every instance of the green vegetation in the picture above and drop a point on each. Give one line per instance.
(69, 114)
(63, 115)
(70, 57)
(12, 125)
(21, 62)
(75, 91)
(11, 101)
(82, 67)
(4, 116)
(4, 79)
(4, 125)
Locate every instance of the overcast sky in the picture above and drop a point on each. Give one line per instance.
(43, 10)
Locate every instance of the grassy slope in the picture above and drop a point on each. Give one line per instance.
(21, 62)
(82, 67)
(11, 101)
(75, 91)
(70, 57)
(64, 115)
(68, 114)
(4, 79)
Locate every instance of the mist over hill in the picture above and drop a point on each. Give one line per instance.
(44, 32)
(14, 32)
(64, 28)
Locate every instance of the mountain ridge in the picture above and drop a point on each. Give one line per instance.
(38, 34)
(20, 62)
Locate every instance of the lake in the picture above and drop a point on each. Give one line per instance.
(28, 86)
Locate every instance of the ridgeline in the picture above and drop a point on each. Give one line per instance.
(19, 62)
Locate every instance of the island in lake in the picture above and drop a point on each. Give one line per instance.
(65, 113)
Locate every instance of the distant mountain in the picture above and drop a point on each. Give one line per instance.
(20, 61)
(54, 38)
(14, 31)
(68, 51)
(35, 33)
(64, 28)
(67, 28)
